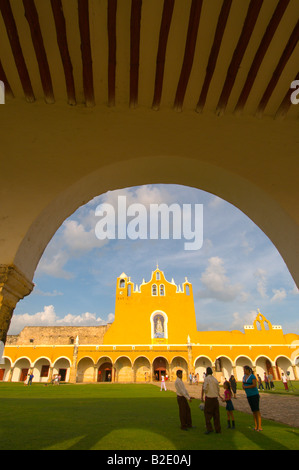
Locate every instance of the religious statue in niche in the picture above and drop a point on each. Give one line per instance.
(159, 331)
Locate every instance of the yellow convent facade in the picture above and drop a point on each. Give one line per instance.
(154, 333)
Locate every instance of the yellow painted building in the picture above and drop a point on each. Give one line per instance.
(154, 333)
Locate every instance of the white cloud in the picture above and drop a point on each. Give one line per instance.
(77, 239)
(279, 294)
(48, 317)
(215, 202)
(52, 264)
(55, 293)
(239, 321)
(260, 274)
(217, 285)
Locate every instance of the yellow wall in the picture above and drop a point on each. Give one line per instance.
(134, 313)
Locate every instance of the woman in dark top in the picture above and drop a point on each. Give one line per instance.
(253, 397)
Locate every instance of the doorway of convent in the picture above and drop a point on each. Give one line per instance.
(160, 368)
(105, 372)
(269, 367)
(62, 373)
(23, 376)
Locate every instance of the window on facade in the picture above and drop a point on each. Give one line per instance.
(31, 340)
(162, 290)
(122, 283)
(129, 290)
(72, 340)
(187, 289)
(154, 290)
(158, 276)
(44, 371)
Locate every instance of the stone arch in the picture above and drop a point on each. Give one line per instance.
(160, 367)
(178, 363)
(240, 362)
(200, 365)
(20, 366)
(5, 369)
(62, 366)
(262, 365)
(41, 369)
(85, 370)
(242, 193)
(176, 168)
(123, 369)
(142, 369)
(226, 368)
(105, 369)
(284, 365)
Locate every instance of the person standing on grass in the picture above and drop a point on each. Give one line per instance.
(183, 398)
(266, 380)
(270, 377)
(285, 381)
(253, 397)
(229, 405)
(260, 383)
(163, 385)
(211, 391)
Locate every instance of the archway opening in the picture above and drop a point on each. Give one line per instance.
(160, 368)
(228, 254)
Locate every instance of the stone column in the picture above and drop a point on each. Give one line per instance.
(14, 286)
(73, 369)
(190, 356)
(95, 373)
(11, 374)
(50, 374)
(295, 372)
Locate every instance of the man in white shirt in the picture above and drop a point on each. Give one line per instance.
(211, 391)
(163, 385)
(182, 399)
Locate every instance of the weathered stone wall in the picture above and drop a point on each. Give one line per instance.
(59, 335)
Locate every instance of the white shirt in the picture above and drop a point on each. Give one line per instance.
(211, 387)
(181, 389)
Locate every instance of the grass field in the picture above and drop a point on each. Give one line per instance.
(119, 417)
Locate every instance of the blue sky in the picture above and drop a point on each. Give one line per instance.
(236, 271)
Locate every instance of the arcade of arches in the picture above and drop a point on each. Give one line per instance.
(142, 369)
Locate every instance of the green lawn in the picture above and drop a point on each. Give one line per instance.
(119, 417)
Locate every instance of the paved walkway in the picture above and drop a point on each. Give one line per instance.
(281, 408)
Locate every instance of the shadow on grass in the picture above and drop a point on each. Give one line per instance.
(125, 421)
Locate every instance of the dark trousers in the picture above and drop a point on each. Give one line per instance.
(212, 411)
(185, 412)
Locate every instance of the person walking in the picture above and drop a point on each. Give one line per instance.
(30, 379)
(266, 380)
(183, 398)
(260, 383)
(211, 392)
(270, 377)
(253, 396)
(285, 381)
(163, 385)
